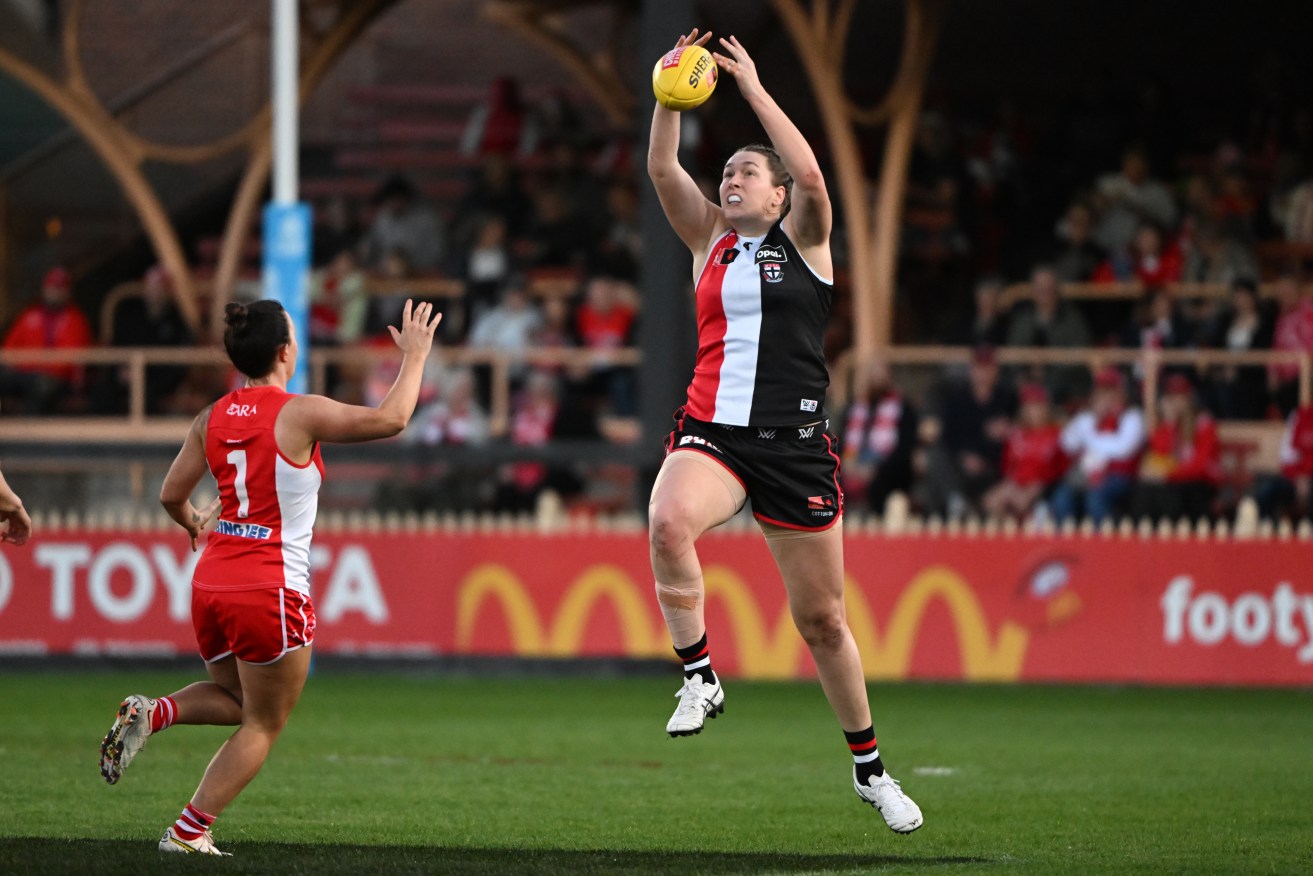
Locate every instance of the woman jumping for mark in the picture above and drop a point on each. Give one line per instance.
(754, 424)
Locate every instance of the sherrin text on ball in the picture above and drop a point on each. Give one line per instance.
(684, 77)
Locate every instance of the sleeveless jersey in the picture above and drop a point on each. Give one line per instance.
(762, 313)
(268, 502)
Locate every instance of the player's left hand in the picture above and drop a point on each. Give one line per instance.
(200, 520)
(738, 63)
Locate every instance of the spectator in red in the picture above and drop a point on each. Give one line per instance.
(879, 437)
(533, 423)
(1294, 332)
(54, 322)
(1032, 457)
(1150, 261)
(339, 302)
(1182, 464)
(1288, 492)
(497, 126)
(605, 322)
(1104, 443)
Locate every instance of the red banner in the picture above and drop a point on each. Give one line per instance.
(925, 607)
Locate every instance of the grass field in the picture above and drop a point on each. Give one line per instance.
(423, 774)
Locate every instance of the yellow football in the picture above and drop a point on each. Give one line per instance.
(684, 77)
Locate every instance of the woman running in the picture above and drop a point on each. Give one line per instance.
(251, 604)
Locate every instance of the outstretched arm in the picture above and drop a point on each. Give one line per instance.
(308, 419)
(810, 218)
(691, 215)
(12, 512)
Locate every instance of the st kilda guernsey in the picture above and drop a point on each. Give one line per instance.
(762, 313)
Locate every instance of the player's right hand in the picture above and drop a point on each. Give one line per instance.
(417, 326)
(200, 520)
(692, 39)
(19, 529)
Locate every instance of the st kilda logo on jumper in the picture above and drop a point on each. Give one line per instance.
(770, 258)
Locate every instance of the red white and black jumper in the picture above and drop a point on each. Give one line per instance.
(757, 400)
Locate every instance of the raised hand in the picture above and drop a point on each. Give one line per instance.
(692, 39)
(417, 326)
(19, 529)
(738, 63)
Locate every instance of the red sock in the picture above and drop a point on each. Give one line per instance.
(166, 712)
(192, 823)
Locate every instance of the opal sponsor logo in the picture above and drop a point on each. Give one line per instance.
(771, 254)
(1251, 619)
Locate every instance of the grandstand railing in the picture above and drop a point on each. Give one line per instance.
(136, 426)
(1130, 291)
(1251, 445)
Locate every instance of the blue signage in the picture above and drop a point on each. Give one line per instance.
(287, 275)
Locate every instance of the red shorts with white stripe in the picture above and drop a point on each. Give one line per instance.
(257, 626)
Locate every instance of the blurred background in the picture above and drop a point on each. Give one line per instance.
(1042, 211)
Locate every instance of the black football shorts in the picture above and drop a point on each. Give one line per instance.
(791, 473)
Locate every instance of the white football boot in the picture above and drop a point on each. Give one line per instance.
(127, 737)
(883, 792)
(171, 843)
(697, 702)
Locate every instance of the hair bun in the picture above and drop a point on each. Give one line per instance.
(234, 315)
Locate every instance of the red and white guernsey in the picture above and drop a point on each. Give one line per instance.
(262, 538)
(762, 313)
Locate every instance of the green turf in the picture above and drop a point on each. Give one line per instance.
(417, 774)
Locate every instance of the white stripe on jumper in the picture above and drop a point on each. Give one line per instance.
(740, 296)
(298, 502)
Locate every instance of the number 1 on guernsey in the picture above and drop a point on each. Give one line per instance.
(238, 459)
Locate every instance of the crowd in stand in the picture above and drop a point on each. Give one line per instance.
(989, 444)
(551, 208)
